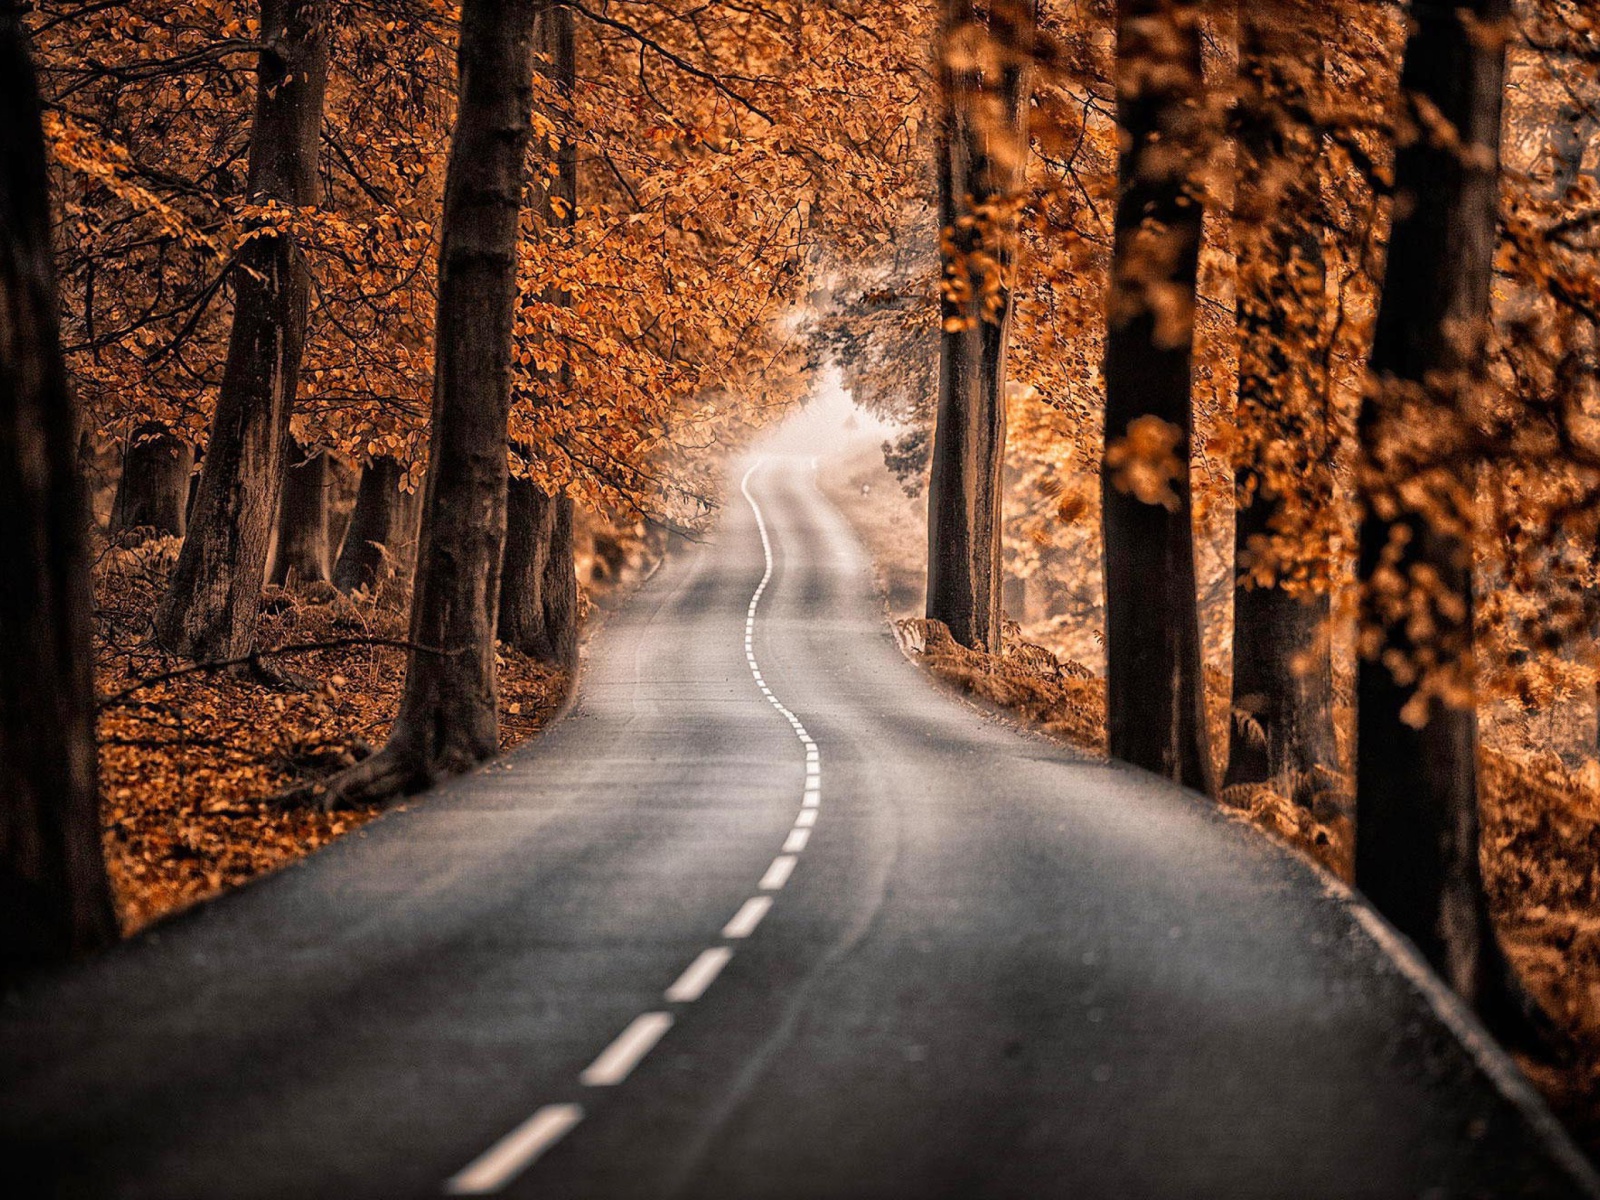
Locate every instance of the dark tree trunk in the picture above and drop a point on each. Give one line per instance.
(539, 583)
(214, 598)
(1417, 768)
(301, 554)
(371, 544)
(54, 897)
(153, 489)
(1155, 691)
(449, 719)
(1282, 727)
(983, 148)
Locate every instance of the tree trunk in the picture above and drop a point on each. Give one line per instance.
(983, 150)
(371, 544)
(449, 719)
(54, 897)
(213, 601)
(1282, 729)
(539, 583)
(153, 489)
(1417, 769)
(301, 555)
(1155, 691)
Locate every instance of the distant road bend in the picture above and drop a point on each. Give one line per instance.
(766, 915)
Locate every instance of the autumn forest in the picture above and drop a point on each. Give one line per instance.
(1210, 388)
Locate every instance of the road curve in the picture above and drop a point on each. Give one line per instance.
(625, 962)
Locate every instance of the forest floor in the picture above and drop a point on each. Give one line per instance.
(188, 765)
(1540, 812)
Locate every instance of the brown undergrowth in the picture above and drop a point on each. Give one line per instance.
(187, 766)
(1541, 847)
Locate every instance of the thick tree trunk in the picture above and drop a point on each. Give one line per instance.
(1282, 728)
(301, 554)
(1155, 692)
(539, 583)
(449, 719)
(983, 149)
(371, 544)
(213, 601)
(54, 897)
(1417, 769)
(153, 489)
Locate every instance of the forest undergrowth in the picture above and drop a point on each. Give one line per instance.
(189, 766)
(191, 760)
(1541, 816)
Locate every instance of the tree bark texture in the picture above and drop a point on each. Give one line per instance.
(1155, 691)
(1282, 728)
(449, 719)
(371, 545)
(54, 897)
(539, 582)
(1417, 770)
(213, 601)
(153, 489)
(983, 149)
(301, 553)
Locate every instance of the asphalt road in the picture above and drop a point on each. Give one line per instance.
(627, 963)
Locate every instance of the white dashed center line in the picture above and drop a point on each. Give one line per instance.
(747, 918)
(692, 984)
(514, 1153)
(521, 1148)
(619, 1059)
(778, 873)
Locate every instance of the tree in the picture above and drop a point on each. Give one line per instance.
(213, 601)
(448, 720)
(377, 528)
(984, 67)
(301, 553)
(1417, 767)
(538, 581)
(1155, 698)
(153, 489)
(54, 896)
(1282, 731)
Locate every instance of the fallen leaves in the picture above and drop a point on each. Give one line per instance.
(188, 769)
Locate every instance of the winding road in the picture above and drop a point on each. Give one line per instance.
(767, 916)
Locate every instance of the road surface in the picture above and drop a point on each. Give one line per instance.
(767, 916)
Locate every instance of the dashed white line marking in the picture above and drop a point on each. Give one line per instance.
(692, 984)
(514, 1153)
(522, 1147)
(747, 918)
(618, 1060)
(778, 873)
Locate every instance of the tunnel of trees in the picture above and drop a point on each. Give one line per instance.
(1248, 351)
